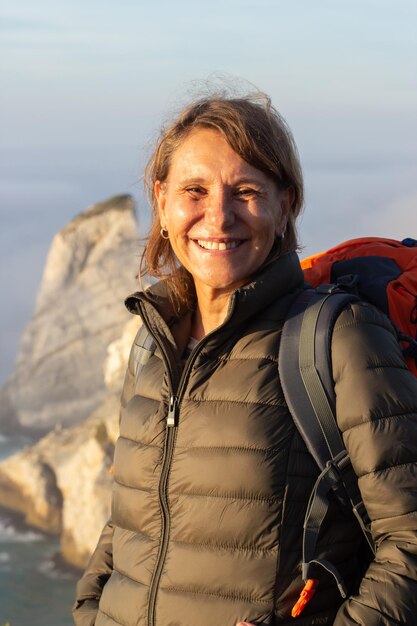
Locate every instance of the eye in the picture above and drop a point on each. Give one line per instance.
(195, 190)
(245, 192)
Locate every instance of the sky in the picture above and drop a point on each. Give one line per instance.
(87, 84)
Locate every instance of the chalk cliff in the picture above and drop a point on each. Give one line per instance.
(62, 484)
(79, 311)
(70, 370)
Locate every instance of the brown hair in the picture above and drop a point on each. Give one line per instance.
(259, 135)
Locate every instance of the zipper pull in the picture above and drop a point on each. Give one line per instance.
(306, 594)
(172, 411)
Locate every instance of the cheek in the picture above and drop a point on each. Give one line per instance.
(277, 224)
(179, 218)
(270, 226)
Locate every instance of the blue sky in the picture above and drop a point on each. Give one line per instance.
(85, 86)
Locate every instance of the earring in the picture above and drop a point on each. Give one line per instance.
(164, 233)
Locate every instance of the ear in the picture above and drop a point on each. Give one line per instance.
(160, 195)
(287, 197)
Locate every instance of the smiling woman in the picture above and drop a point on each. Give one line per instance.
(222, 216)
(260, 163)
(212, 479)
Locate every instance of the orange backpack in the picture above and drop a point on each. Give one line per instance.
(381, 271)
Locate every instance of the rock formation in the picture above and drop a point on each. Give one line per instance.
(62, 484)
(79, 311)
(70, 369)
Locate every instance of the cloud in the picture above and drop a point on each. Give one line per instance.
(17, 191)
(398, 218)
(10, 24)
(375, 200)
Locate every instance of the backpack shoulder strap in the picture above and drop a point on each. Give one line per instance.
(306, 378)
(306, 371)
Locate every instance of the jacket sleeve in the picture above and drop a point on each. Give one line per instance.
(376, 406)
(100, 566)
(97, 573)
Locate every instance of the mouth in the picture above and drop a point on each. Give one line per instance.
(209, 244)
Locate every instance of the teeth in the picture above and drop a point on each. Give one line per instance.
(215, 245)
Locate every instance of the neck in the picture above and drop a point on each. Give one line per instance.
(210, 312)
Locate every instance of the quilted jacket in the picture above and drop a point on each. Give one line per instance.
(212, 479)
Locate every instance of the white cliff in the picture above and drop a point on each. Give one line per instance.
(90, 269)
(70, 370)
(62, 484)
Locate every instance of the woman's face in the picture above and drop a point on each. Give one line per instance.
(221, 213)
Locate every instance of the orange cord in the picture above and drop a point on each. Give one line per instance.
(306, 594)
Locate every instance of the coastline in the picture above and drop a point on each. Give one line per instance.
(36, 585)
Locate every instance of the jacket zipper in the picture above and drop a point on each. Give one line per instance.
(163, 500)
(171, 431)
(172, 423)
(166, 465)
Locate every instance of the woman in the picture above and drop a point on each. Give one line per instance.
(212, 479)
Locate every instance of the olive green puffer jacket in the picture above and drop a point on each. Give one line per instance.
(212, 479)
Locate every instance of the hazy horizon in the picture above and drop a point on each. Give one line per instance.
(86, 86)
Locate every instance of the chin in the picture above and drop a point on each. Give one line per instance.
(228, 284)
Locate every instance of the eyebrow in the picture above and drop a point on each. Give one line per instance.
(244, 180)
(192, 179)
(249, 180)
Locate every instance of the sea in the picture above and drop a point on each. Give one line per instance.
(36, 588)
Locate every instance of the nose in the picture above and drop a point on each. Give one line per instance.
(219, 211)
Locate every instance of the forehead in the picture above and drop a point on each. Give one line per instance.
(206, 152)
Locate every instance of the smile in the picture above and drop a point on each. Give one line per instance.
(218, 245)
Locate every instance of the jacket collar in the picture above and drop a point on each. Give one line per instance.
(279, 277)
